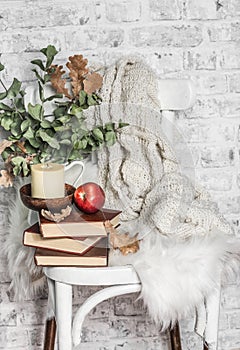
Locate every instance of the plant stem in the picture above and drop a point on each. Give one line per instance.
(3, 85)
(20, 115)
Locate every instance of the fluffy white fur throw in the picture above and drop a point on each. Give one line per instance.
(27, 278)
(185, 246)
(177, 276)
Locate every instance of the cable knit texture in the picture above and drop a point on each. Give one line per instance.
(140, 173)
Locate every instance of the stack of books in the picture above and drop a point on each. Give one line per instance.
(79, 240)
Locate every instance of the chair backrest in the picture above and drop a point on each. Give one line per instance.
(174, 95)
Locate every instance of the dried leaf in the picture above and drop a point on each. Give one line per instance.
(78, 71)
(57, 217)
(130, 249)
(92, 83)
(123, 242)
(4, 144)
(57, 82)
(6, 179)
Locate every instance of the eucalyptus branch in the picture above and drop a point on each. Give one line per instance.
(66, 138)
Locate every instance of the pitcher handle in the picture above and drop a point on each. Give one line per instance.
(76, 162)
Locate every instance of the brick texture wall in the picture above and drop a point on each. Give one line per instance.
(178, 38)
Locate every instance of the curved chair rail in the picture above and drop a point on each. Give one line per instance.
(93, 276)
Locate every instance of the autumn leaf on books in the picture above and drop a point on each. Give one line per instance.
(58, 82)
(78, 72)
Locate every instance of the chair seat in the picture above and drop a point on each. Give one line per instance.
(93, 276)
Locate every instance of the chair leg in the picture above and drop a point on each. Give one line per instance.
(205, 346)
(64, 315)
(50, 333)
(175, 338)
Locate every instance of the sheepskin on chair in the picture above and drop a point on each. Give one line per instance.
(26, 278)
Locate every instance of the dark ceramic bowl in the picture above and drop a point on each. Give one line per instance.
(54, 204)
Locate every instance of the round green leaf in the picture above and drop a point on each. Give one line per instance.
(82, 97)
(25, 125)
(36, 111)
(3, 95)
(50, 140)
(14, 89)
(38, 63)
(16, 129)
(6, 122)
(45, 124)
(34, 143)
(91, 101)
(4, 107)
(75, 110)
(29, 134)
(110, 138)
(98, 134)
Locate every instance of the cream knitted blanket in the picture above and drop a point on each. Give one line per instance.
(140, 173)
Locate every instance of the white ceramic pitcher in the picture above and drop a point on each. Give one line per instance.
(72, 177)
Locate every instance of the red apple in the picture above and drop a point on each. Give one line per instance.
(89, 197)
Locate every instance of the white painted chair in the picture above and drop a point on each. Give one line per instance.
(174, 95)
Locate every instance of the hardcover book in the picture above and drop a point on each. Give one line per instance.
(79, 245)
(79, 224)
(95, 257)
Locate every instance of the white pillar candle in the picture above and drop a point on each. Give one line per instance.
(47, 180)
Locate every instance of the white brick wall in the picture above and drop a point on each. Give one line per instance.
(178, 39)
